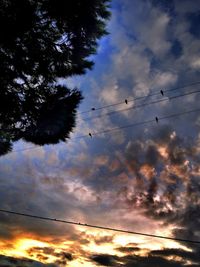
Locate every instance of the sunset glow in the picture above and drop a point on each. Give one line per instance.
(132, 161)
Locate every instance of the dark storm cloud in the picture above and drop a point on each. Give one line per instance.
(151, 156)
(152, 191)
(139, 261)
(172, 194)
(185, 255)
(105, 259)
(165, 257)
(129, 261)
(178, 190)
(155, 169)
(43, 253)
(146, 151)
(13, 262)
(189, 225)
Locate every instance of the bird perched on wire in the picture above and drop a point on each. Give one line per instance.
(126, 101)
(156, 119)
(90, 135)
(162, 93)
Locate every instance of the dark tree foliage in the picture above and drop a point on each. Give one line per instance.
(42, 41)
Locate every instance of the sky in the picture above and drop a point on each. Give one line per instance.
(143, 178)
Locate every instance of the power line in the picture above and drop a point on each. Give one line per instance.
(97, 226)
(121, 127)
(141, 123)
(139, 98)
(141, 105)
(110, 113)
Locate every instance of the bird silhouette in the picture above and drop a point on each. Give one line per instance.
(90, 135)
(126, 101)
(162, 93)
(92, 108)
(156, 119)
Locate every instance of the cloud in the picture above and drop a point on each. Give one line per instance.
(135, 256)
(172, 194)
(129, 249)
(149, 261)
(140, 261)
(61, 258)
(143, 178)
(103, 239)
(11, 262)
(104, 260)
(185, 255)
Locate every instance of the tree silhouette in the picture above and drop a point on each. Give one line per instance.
(42, 41)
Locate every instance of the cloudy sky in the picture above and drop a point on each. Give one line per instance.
(143, 178)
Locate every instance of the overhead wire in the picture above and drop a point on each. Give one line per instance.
(120, 127)
(33, 216)
(142, 123)
(139, 98)
(140, 105)
(122, 110)
(117, 129)
(107, 131)
(168, 98)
